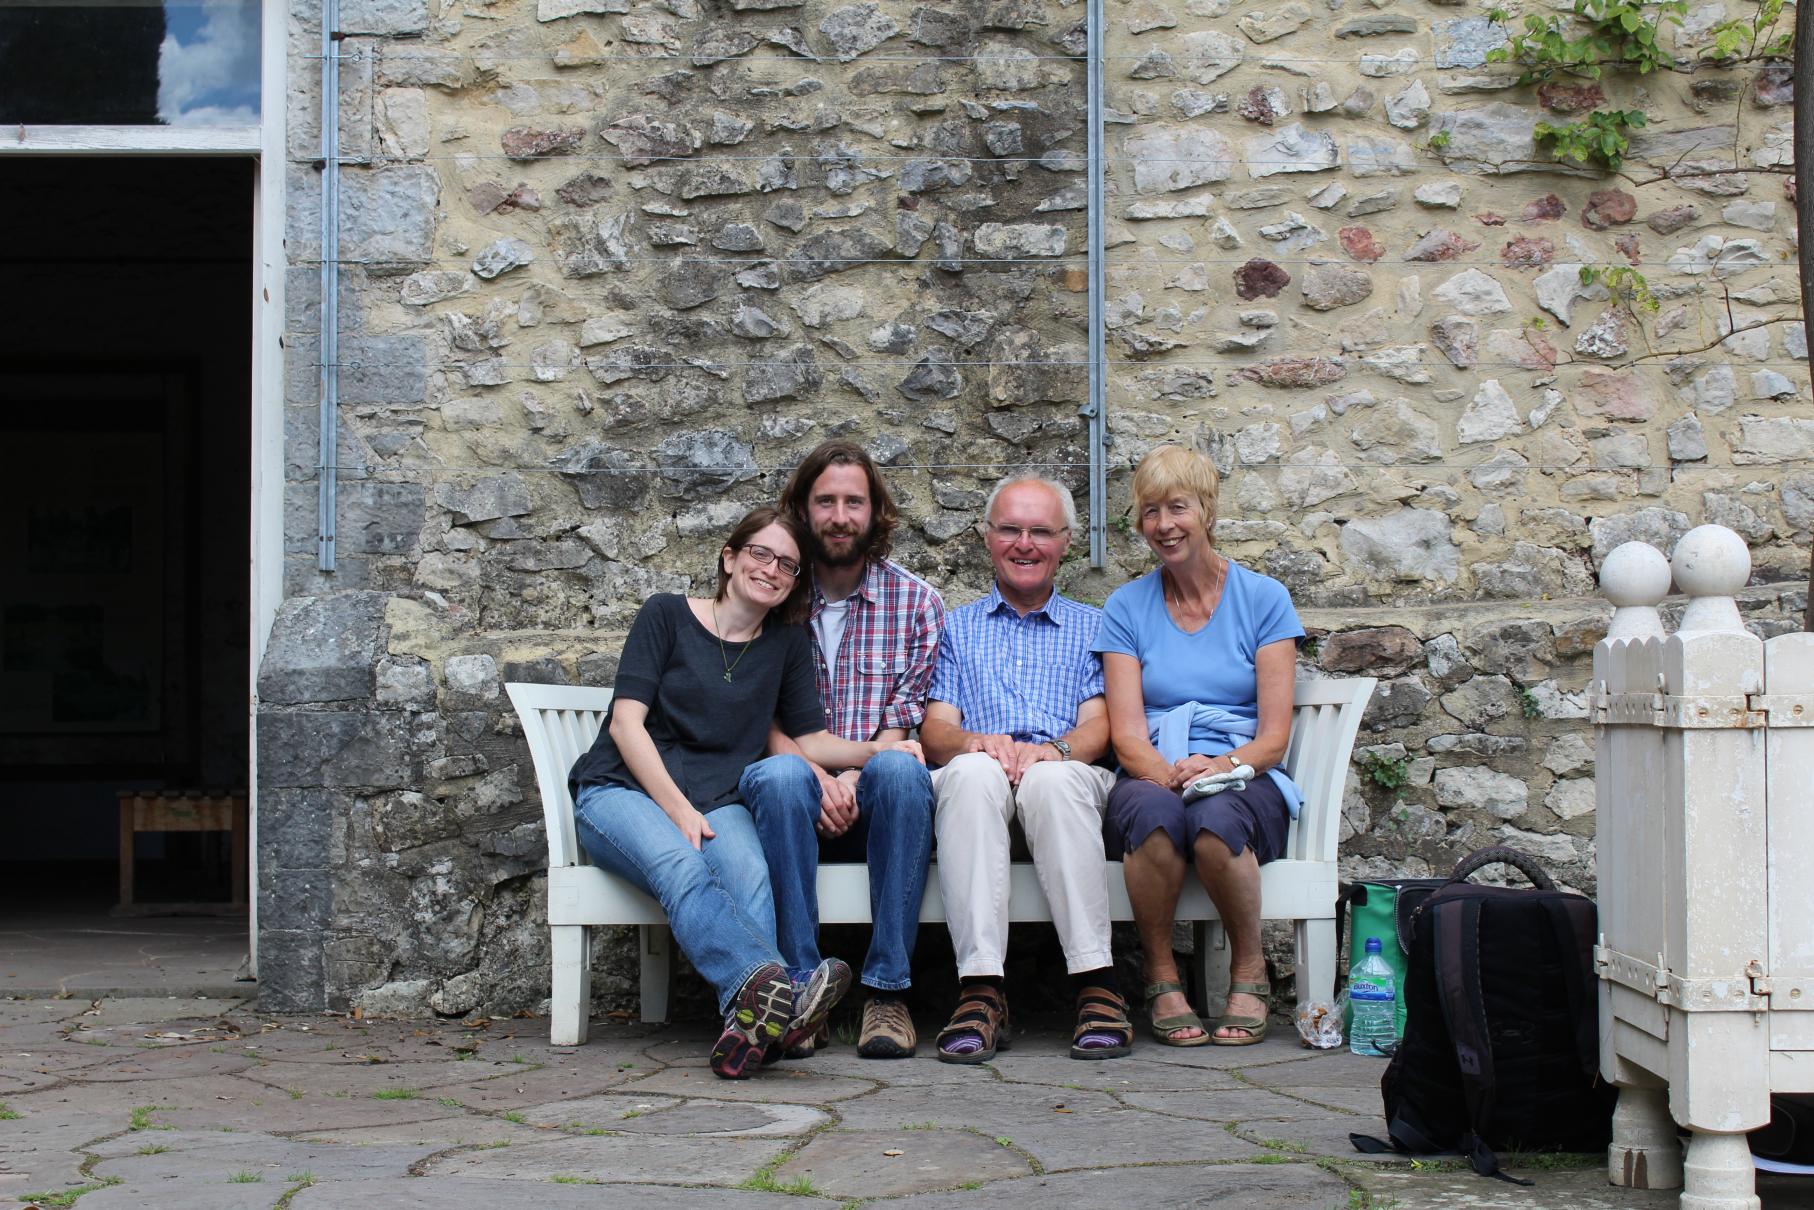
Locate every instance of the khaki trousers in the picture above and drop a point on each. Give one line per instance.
(1060, 805)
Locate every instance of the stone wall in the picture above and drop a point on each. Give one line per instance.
(614, 266)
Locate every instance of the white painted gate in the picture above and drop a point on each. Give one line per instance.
(1704, 776)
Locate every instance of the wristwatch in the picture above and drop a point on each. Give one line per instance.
(1064, 749)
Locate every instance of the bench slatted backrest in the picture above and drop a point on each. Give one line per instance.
(1326, 718)
(560, 722)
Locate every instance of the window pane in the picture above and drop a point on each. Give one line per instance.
(126, 63)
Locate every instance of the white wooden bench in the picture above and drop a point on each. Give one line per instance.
(561, 721)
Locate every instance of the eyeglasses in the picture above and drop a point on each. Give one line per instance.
(765, 556)
(1038, 535)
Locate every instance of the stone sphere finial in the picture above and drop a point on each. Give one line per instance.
(1635, 578)
(1710, 564)
(1635, 574)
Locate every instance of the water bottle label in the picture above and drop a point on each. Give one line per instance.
(1369, 991)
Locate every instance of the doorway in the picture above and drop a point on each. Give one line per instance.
(126, 415)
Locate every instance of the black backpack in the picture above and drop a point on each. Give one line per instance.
(1501, 1047)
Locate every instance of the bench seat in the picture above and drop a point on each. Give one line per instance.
(561, 721)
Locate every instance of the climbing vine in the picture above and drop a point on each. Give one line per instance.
(1623, 35)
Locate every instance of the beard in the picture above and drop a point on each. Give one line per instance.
(855, 553)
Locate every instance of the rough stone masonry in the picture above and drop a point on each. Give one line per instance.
(613, 265)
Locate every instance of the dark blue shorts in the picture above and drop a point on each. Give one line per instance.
(1255, 817)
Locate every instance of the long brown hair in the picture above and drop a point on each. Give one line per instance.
(794, 607)
(883, 515)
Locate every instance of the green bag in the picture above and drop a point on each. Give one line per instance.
(1380, 909)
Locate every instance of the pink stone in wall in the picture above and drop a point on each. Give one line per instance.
(1439, 245)
(1297, 372)
(1629, 248)
(1615, 395)
(1260, 278)
(529, 143)
(1527, 252)
(1359, 243)
(1486, 218)
(1542, 209)
(1570, 98)
(1608, 208)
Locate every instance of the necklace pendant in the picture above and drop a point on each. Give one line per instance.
(727, 675)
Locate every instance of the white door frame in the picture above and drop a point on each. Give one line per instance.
(264, 145)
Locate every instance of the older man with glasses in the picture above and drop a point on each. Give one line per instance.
(1016, 717)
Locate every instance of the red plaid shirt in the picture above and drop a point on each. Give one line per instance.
(885, 659)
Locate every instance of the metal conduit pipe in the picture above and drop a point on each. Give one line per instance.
(327, 470)
(1096, 410)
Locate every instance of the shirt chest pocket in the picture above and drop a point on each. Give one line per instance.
(878, 668)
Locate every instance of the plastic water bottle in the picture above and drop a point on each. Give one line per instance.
(1373, 997)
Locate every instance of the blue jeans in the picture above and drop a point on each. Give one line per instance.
(716, 896)
(893, 833)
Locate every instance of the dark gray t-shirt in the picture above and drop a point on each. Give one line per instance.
(707, 730)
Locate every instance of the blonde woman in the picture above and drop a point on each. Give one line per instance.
(1198, 660)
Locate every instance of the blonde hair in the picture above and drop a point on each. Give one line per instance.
(1176, 470)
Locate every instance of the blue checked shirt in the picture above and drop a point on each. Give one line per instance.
(1023, 677)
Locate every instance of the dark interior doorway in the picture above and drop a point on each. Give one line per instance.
(125, 412)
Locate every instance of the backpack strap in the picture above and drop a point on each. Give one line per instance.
(1457, 938)
(1354, 894)
(1573, 925)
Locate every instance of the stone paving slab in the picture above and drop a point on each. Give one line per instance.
(1289, 1186)
(190, 1194)
(475, 1193)
(620, 1159)
(673, 1116)
(539, 1086)
(888, 1163)
(795, 1082)
(265, 1156)
(358, 1080)
(454, 1130)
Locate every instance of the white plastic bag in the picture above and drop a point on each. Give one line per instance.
(1319, 1023)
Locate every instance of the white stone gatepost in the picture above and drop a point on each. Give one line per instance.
(1705, 800)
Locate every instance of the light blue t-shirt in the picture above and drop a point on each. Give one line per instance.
(1212, 667)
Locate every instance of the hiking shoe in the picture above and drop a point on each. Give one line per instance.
(758, 1017)
(812, 1004)
(887, 1029)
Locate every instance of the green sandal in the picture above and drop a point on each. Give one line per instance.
(1254, 1027)
(1164, 1027)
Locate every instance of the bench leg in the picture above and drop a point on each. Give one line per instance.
(1316, 960)
(571, 1000)
(657, 967)
(1209, 977)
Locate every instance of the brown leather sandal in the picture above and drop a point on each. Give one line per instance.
(1103, 1013)
(982, 1013)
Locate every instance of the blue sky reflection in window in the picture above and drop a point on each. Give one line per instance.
(208, 64)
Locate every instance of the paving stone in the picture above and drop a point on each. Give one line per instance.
(669, 1116)
(790, 1083)
(412, 1193)
(620, 1159)
(889, 1163)
(538, 1087)
(1239, 1105)
(362, 1080)
(270, 1157)
(209, 1193)
(1324, 1069)
(1583, 1190)
(455, 1130)
(168, 1063)
(1231, 1186)
(1325, 1134)
(1061, 1127)
(1059, 1070)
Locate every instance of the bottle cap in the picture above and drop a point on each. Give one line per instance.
(1373, 945)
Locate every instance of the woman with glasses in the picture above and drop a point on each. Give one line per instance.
(700, 680)
(1198, 657)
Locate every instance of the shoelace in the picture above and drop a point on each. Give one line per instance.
(891, 1017)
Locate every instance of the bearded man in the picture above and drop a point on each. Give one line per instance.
(875, 631)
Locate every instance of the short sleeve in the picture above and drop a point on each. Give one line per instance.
(1118, 632)
(947, 674)
(647, 650)
(1274, 616)
(799, 711)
